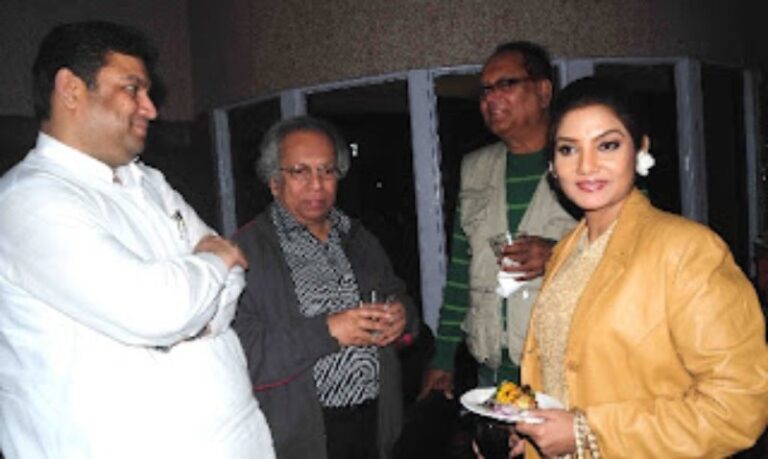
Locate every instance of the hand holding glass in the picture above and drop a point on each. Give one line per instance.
(378, 300)
(500, 242)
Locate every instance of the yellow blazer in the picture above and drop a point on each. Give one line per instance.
(666, 353)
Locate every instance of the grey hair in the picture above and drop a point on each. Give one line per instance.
(268, 165)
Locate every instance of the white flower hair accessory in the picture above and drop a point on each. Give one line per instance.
(644, 162)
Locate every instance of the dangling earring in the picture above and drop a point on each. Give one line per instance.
(644, 161)
(551, 170)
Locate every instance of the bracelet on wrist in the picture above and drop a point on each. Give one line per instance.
(585, 439)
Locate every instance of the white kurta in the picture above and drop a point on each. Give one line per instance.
(101, 299)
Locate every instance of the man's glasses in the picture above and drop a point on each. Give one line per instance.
(303, 173)
(503, 85)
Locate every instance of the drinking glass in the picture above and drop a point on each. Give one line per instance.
(376, 299)
(500, 241)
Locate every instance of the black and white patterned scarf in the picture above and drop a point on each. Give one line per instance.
(325, 284)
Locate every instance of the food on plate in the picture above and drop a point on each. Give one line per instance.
(510, 399)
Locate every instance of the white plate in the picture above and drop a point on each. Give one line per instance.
(475, 399)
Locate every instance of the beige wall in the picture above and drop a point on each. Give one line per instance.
(23, 23)
(269, 45)
(246, 48)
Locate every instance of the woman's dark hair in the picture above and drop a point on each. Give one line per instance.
(83, 47)
(590, 91)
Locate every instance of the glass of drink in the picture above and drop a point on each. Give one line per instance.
(500, 242)
(376, 299)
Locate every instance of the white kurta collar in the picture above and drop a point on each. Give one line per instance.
(83, 164)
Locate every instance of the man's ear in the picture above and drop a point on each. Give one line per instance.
(68, 88)
(273, 186)
(544, 87)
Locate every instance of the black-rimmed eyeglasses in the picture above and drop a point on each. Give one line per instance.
(503, 84)
(303, 173)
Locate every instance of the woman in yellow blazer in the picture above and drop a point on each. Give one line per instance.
(645, 327)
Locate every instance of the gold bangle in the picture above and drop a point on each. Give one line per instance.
(594, 450)
(578, 433)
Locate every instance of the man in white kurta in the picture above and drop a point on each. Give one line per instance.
(115, 305)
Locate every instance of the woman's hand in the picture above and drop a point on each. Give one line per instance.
(553, 437)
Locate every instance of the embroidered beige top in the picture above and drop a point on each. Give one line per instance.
(555, 306)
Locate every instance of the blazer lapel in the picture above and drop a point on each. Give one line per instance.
(608, 272)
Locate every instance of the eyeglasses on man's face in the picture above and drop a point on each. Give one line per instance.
(503, 85)
(303, 173)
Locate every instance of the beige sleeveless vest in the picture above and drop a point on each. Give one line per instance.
(484, 214)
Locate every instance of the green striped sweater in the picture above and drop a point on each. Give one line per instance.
(523, 174)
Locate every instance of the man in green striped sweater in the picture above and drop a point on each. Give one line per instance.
(503, 188)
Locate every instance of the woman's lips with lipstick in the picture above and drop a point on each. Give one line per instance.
(591, 185)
